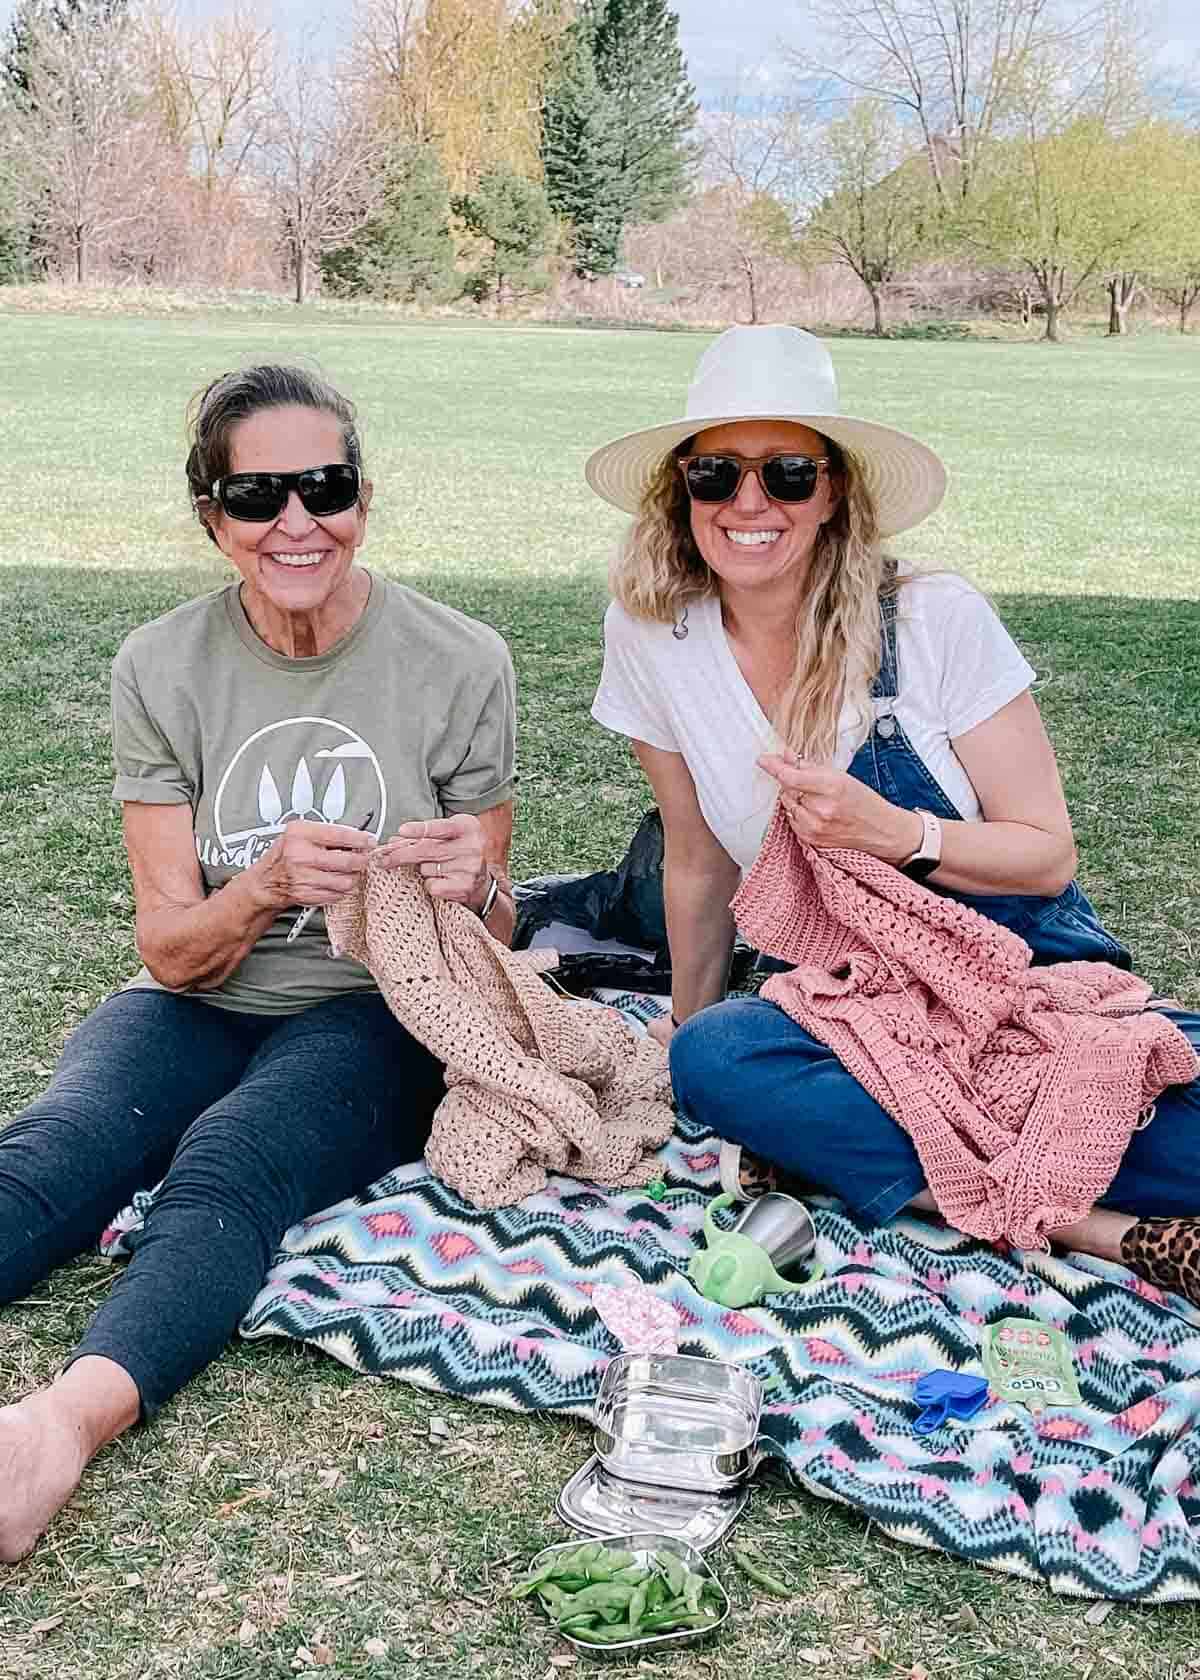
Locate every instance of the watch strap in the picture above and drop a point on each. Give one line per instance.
(928, 854)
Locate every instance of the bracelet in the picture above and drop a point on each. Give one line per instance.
(488, 905)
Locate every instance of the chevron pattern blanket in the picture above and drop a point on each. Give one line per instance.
(1099, 1500)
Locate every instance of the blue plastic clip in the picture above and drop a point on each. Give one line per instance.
(946, 1394)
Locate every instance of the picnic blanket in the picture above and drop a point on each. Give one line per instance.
(1100, 1500)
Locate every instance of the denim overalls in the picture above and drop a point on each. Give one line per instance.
(753, 1075)
(1062, 929)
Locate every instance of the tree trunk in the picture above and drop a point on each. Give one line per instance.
(749, 267)
(1121, 291)
(1052, 312)
(877, 309)
(301, 274)
(80, 256)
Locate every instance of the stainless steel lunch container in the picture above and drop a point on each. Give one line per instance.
(602, 1505)
(670, 1420)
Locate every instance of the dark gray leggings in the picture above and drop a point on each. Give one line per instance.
(254, 1120)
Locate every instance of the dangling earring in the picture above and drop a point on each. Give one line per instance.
(680, 627)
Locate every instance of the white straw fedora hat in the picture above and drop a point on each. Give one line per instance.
(777, 373)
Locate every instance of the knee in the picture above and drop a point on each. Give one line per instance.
(705, 1055)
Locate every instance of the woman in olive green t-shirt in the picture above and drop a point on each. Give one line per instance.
(269, 737)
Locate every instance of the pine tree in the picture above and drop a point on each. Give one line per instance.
(405, 251)
(581, 157)
(640, 66)
(511, 217)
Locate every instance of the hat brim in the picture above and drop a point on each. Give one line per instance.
(904, 477)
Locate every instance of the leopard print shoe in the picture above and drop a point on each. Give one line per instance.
(1166, 1252)
(746, 1177)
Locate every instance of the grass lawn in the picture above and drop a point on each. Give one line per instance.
(281, 1503)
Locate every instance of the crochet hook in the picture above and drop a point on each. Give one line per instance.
(306, 915)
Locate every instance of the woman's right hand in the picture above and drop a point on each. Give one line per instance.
(311, 863)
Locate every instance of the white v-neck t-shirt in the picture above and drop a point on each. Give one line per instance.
(958, 666)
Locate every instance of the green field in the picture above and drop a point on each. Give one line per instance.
(1073, 502)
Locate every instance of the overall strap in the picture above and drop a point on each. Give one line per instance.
(887, 684)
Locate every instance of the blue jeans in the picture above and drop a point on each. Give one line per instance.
(747, 1071)
(254, 1120)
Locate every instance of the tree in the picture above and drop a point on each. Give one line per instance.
(640, 66)
(214, 90)
(757, 164)
(29, 18)
(876, 212)
(1182, 291)
(81, 139)
(405, 250)
(465, 75)
(1174, 265)
(726, 242)
(759, 145)
(16, 255)
(320, 154)
(1069, 209)
(511, 218)
(24, 224)
(581, 156)
(959, 70)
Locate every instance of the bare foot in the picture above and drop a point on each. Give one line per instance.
(47, 1440)
(42, 1457)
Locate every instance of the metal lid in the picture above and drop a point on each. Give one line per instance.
(595, 1502)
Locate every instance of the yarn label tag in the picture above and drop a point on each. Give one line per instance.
(1030, 1363)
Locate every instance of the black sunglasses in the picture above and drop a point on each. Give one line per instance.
(263, 495)
(784, 478)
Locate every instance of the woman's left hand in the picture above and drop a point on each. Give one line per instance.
(827, 808)
(449, 853)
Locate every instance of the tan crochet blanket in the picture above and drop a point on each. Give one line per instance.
(534, 1082)
(1019, 1086)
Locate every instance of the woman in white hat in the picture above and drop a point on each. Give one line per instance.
(762, 642)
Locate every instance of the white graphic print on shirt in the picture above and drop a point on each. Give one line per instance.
(270, 782)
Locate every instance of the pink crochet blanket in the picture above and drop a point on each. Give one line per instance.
(1020, 1087)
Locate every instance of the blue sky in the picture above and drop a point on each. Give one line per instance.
(726, 41)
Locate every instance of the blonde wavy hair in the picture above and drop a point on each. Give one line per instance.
(659, 569)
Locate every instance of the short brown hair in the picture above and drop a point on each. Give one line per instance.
(215, 412)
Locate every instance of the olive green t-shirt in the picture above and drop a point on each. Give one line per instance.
(411, 715)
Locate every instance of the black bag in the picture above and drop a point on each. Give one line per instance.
(625, 903)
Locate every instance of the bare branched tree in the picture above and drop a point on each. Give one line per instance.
(84, 138)
(959, 71)
(320, 156)
(214, 88)
(757, 162)
(759, 144)
(876, 214)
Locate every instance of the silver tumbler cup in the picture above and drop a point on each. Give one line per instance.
(782, 1226)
